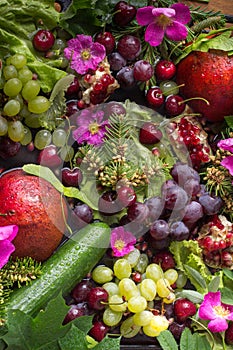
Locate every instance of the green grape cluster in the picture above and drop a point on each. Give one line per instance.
(136, 298)
(22, 102)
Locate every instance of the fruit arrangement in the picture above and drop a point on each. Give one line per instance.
(116, 224)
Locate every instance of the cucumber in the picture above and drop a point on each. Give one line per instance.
(66, 267)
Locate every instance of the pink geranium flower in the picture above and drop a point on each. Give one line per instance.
(7, 234)
(227, 162)
(84, 54)
(122, 242)
(91, 127)
(214, 310)
(164, 21)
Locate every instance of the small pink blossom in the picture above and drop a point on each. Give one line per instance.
(214, 310)
(7, 234)
(227, 162)
(164, 21)
(84, 54)
(122, 242)
(91, 127)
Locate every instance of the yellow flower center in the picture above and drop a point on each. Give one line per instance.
(93, 128)
(119, 244)
(163, 21)
(221, 311)
(85, 54)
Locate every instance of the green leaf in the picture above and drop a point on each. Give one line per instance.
(109, 343)
(186, 340)
(192, 295)
(228, 273)
(196, 276)
(201, 342)
(226, 295)
(167, 341)
(214, 284)
(229, 120)
(74, 339)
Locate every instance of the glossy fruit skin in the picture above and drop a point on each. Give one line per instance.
(124, 13)
(149, 134)
(107, 40)
(71, 177)
(31, 201)
(208, 75)
(183, 309)
(165, 70)
(43, 40)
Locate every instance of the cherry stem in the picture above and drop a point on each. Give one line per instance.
(194, 98)
(174, 88)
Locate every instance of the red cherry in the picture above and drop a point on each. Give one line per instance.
(183, 309)
(149, 134)
(99, 330)
(43, 40)
(165, 259)
(97, 298)
(107, 40)
(71, 177)
(155, 97)
(73, 88)
(165, 70)
(124, 13)
(49, 157)
(174, 105)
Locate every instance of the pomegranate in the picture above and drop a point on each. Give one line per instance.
(37, 208)
(208, 75)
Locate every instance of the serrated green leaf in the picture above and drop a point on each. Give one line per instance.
(226, 295)
(74, 339)
(108, 343)
(167, 341)
(187, 341)
(192, 295)
(214, 284)
(196, 276)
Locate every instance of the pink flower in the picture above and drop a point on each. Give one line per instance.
(7, 234)
(122, 242)
(214, 310)
(164, 21)
(84, 54)
(227, 162)
(91, 127)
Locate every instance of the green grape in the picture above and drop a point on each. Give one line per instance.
(128, 328)
(24, 112)
(42, 139)
(116, 303)
(59, 44)
(10, 72)
(170, 298)
(157, 324)
(3, 126)
(38, 105)
(102, 274)
(18, 60)
(142, 318)
(11, 108)
(171, 275)
(15, 130)
(122, 268)
(30, 90)
(20, 99)
(67, 153)
(111, 318)
(12, 87)
(163, 287)
(27, 136)
(128, 288)
(25, 74)
(32, 120)
(169, 87)
(59, 137)
(181, 280)
(111, 287)
(154, 271)
(142, 263)
(148, 289)
(137, 304)
(133, 257)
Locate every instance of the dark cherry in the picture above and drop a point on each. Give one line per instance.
(143, 70)
(99, 330)
(183, 309)
(97, 298)
(72, 107)
(165, 70)
(81, 290)
(43, 40)
(107, 40)
(149, 134)
(126, 196)
(49, 157)
(129, 46)
(138, 212)
(71, 177)
(8, 148)
(108, 203)
(174, 105)
(124, 13)
(155, 97)
(75, 311)
(74, 88)
(165, 259)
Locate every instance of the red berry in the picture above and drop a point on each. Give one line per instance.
(107, 40)
(124, 13)
(49, 157)
(129, 46)
(71, 177)
(149, 134)
(183, 309)
(155, 97)
(174, 105)
(73, 88)
(165, 70)
(99, 330)
(143, 70)
(43, 40)
(165, 259)
(97, 298)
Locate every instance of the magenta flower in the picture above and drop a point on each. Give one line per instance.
(84, 54)
(227, 162)
(7, 234)
(91, 127)
(214, 310)
(122, 242)
(164, 21)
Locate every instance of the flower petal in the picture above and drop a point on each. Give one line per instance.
(168, 12)
(126, 238)
(154, 34)
(84, 40)
(218, 325)
(227, 162)
(230, 310)
(8, 232)
(176, 31)
(226, 144)
(6, 249)
(182, 13)
(144, 15)
(206, 310)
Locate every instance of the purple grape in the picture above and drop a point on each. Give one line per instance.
(175, 197)
(8, 148)
(125, 77)
(83, 213)
(211, 205)
(159, 230)
(116, 61)
(155, 205)
(176, 329)
(182, 172)
(179, 231)
(138, 212)
(192, 212)
(192, 187)
(129, 46)
(143, 70)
